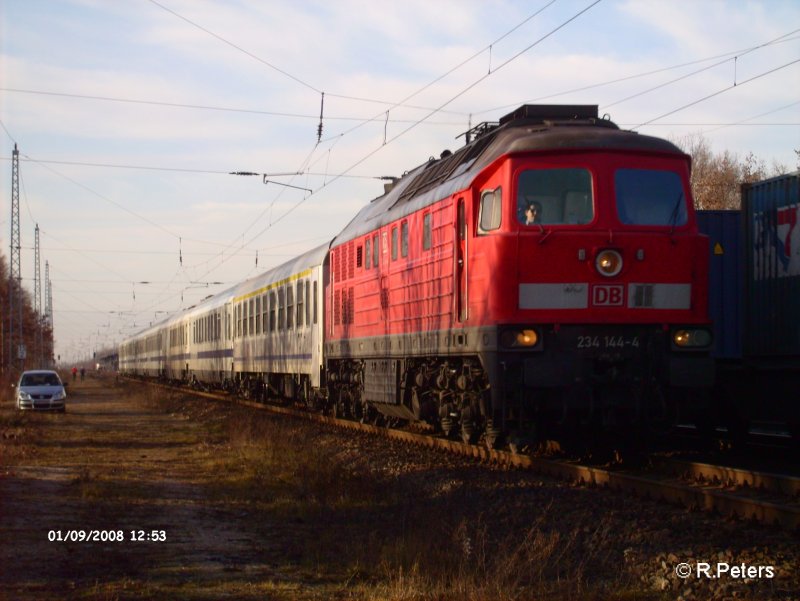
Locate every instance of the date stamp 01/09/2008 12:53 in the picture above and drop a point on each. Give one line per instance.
(118, 536)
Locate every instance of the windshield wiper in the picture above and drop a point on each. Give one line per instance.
(673, 218)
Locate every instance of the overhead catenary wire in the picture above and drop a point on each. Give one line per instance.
(433, 111)
(205, 107)
(687, 75)
(717, 93)
(780, 40)
(223, 260)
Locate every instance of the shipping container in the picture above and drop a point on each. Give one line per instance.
(726, 276)
(771, 210)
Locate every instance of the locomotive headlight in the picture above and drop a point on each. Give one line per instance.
(691, 338)
(524, 338)
(608, 263)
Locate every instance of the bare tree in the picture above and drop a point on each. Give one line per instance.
(717, 176)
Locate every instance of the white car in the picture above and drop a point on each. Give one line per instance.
(41, 389)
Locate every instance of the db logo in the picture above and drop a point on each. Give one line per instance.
(607, 296)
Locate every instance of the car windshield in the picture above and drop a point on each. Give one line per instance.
(650, 197)
(555, 196)
(40, 380)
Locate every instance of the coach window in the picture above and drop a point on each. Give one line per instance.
(289, 307)
(426, 231)
(308, 303)
(219, 326)
(366, 248)
(299, 319)
(258, 314)
(273, 307)
(281, 308)
(404, 239)
(250, 318)
(491, 203)
(315, 301)
(264, 313)
(375, 250)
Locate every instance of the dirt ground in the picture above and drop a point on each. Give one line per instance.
(214, 501)
(116, 463)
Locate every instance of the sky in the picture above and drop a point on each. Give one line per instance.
(131, 116)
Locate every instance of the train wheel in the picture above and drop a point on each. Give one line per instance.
(469, 434)
(493, 436)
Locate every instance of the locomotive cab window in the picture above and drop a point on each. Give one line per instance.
(650, 197)
(491, 210)
(555, 197)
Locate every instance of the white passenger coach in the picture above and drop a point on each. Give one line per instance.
(261, 337)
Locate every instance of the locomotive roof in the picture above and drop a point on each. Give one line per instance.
(530, 128)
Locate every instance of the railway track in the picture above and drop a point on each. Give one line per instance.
(745, 494)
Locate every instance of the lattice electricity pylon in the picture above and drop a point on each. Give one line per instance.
(15, 270)
(37, 296)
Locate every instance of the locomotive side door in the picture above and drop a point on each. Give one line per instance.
(462, 246)
(383, 266)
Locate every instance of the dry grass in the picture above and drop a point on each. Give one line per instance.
(389, 543)
(281, 465)
(333, 528)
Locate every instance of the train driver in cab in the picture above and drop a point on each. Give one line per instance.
(533, 213)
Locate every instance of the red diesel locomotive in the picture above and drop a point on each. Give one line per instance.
(546, 279)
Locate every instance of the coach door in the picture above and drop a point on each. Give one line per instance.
(462, 246)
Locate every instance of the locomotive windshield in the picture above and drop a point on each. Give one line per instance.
(555, 196)
(650, 197)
